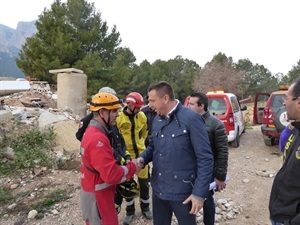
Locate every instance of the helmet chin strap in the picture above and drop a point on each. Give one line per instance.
(107, 123)
(132, 111)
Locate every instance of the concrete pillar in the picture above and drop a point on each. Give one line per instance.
(71, 90)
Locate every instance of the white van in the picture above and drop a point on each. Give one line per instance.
(227, 108)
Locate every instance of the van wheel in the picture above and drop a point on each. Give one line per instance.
(236, 142)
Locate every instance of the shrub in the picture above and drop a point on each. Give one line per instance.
(54, 197)
(31, 149)
(5, 195)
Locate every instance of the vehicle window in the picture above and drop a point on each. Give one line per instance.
(235, 104)
(276, 101)
(217, 106)
(262, 101)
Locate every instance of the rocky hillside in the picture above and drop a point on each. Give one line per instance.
(10, 45)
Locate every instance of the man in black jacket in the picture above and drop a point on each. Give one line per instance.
(284, 205)
(219, 145)
(150, 114)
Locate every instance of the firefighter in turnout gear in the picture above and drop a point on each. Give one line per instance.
(132, 124)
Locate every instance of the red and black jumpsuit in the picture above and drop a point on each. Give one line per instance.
(99, 176)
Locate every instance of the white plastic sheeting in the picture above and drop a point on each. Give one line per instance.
(8, 87)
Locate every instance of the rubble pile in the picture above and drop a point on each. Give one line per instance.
(39, 95)
(37, 107)
(226, 210)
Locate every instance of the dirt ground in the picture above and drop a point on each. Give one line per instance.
(245, 188)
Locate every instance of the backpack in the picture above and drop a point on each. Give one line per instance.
(83, 125)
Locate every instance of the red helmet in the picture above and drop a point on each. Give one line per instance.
(135, 99)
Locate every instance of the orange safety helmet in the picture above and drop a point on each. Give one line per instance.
(104, 101)
(135, 99)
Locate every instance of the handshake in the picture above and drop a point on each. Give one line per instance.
(139, 164)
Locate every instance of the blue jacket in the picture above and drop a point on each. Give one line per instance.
(284, 136)
(181, 155)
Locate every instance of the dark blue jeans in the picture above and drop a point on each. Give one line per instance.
(209, 210)
(163, 211)
(276, 223)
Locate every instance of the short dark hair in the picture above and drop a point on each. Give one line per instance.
(162, 88)
(202, 99)
(296, 88)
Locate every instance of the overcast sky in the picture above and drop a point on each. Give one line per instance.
(267, 32)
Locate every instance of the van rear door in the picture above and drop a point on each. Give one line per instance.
(220, 107)
(260, 102)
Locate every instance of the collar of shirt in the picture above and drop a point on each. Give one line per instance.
(168, 115)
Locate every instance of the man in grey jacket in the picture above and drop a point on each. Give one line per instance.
(182, 159)
(219, 145)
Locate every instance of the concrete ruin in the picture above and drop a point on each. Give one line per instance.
(71, 90)
(71, 93)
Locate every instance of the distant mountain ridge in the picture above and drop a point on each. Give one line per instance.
(11, 41)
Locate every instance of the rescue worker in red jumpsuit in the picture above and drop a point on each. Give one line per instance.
(99, 171)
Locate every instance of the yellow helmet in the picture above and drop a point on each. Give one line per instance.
(129, 189)
(105, 101)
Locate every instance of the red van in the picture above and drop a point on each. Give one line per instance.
(270, 112)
